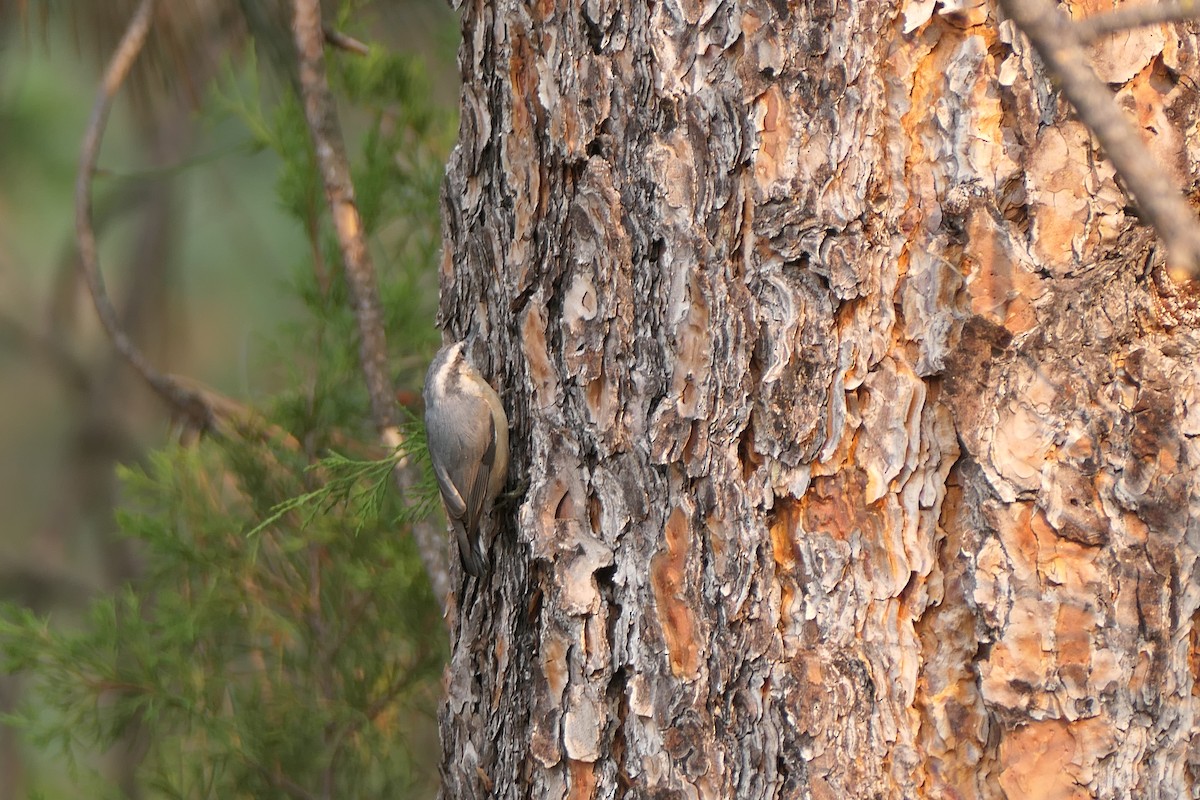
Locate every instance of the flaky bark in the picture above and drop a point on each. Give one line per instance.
(860, 448)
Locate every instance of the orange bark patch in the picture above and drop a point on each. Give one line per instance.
(554, 666)
(1073, 639)
(674, 615)
(583, 779)
(1020, 541)
(774, 136)
(523, 80)
(1062, 561)
(783, 532)
(834, 505)
(1193, 654)
(1147, 96)
(1044, 759)
(1058, 174)
(537, 357)
(1001, 290)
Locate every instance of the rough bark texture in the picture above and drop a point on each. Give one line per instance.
(860, 449)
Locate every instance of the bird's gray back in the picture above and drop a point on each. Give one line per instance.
(457, 446)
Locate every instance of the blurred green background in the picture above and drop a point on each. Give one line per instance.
(206, 260)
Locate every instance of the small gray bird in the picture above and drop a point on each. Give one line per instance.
(467, 431)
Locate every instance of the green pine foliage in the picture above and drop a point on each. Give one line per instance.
(270, 665)
(283, 640)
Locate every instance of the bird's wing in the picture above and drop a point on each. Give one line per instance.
(456, 507)
(477, 483)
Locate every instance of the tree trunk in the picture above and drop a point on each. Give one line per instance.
(860, 446)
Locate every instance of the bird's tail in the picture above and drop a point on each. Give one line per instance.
(469, 550)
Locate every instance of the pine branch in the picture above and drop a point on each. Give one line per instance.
(321, 115)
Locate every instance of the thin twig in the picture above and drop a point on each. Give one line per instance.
(1160, 203)
(345, 42)
(1128, 17)
(321, 115)
(188, 403)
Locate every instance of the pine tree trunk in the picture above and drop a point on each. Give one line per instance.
(861, 450)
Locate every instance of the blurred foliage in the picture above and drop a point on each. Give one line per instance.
(285, 663)
(282, 640)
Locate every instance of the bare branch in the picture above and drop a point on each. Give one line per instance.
(1089, 29)
(188, 403)
(344, 42)
(321, 114)
(1160, 203)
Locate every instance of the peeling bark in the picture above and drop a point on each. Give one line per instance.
(860, 450)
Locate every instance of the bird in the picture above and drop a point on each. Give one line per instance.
(467, 433)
